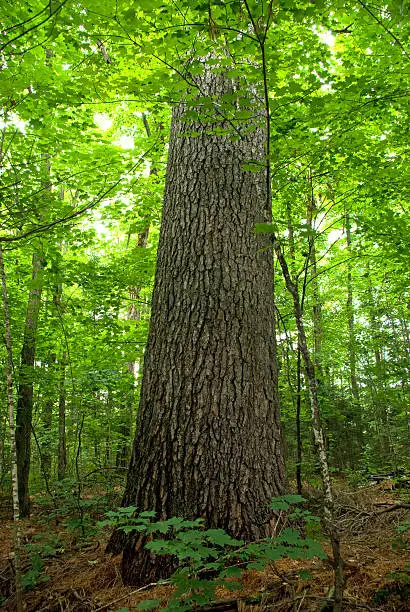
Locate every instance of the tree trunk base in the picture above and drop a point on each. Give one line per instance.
(140, 566)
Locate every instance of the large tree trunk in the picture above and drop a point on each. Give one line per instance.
(25, 391)
(208, 440)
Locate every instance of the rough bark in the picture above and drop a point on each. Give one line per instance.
(208, 439)
(25, 390)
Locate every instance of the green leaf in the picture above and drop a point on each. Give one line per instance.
(289, 536)
(220, 537)
(264, 228)
(148, 604)
(293, 498)
(253, 167)
(279, 504)
(305, 575)
(147, 514)
(231, 572)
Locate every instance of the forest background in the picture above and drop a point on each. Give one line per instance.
(86, 96)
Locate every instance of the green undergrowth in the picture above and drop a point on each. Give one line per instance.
(42, 548)
(396, 587)
(210, 558)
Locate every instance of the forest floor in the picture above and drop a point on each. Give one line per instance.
(65, 571)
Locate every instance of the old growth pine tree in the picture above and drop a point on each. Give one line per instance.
(208, 439)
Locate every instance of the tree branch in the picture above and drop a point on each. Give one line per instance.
(386, 29)
(34, 27)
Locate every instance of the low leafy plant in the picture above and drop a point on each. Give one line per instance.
(402, 540)
(397, 587)
(208, 558)
(74, 513)
(41, 548)
(357, 478)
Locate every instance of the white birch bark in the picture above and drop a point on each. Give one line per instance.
(10, 403)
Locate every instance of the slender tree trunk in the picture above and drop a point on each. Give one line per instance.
(62, 365)
(352, 344)
(299, 444)
(400, 349)
(406, 335)
(318, 433)
(97, 440)
(350, 315)
(133, 314)
(62, 445)
(4, 434)
(25, 390)
(379, 403)
(208, 440)
(405, 381)
(47, 418)
(108, 430)
(317, 305)
(14, 471)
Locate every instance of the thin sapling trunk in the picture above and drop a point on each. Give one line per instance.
(14, 475)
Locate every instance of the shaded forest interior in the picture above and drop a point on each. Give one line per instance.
(204, 257)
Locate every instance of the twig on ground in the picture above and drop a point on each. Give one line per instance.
(143, 588)
(395, 507)
(346, 600)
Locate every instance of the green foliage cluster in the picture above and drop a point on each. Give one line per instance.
(397, 588)
(42, 547)
(81, 180)
(208, 558)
